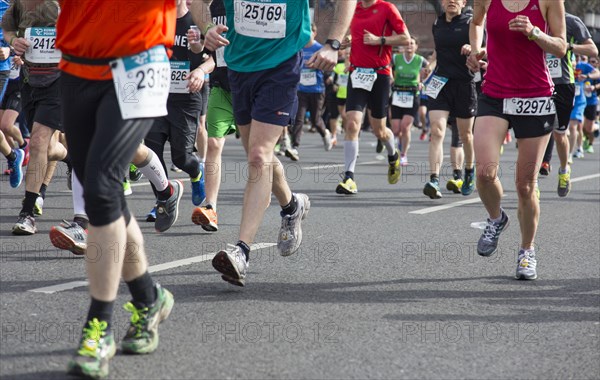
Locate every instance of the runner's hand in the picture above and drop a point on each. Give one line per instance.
(4, 53)
(325, 59)
(20, 45)
(521, 24)
(195, 80)
(475, 60)
(465, 50)
(213, 39)
(371, 39)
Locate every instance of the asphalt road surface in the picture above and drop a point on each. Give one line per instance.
(387, 283)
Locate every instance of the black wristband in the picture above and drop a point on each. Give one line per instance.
(382, 40)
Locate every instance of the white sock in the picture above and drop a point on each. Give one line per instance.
(389, 144)
(77, 195)
(350, 154)
(154, 171)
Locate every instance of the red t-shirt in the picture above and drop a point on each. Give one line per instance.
(381, 19)
(111, 28)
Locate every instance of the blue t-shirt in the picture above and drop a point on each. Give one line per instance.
(585, 68)
(311, 80)
(265, 33)
(4, 65)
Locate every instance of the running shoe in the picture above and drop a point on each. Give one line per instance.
(292, 153)
(423, 136)
(564, 183)
(589, 149)
(432, 190)
(151, 216)
(69, 174)
(16, 173)
(334, 141)
(347, 186)
(327, 141)
(379, 147)
(95, 350)
(205, 218)
(142, 335)
(25, 225)
(232, 264)
(127, 187)
(290, 233)
(69, 236)
(198, 187)
(526, 265)
(570, 159)
(488, 242)
(277, 150)
(38, 207)
(468, 184)
(403, 160)
(394, 171)
(578, 153)
(26, 151)
(134, 173)
(454, 185)
(175, 169)
(168, 210)
(545, 169)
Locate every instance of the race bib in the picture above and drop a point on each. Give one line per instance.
(477, 77)
(220, 53)
(363, 78)
(142, 83)
(14, 69)
(403, 99)
(554, 66)
(308, 77)
(577, 90)
(259, 19)
(42, 47)
(435, 85)
(179, 71)
(529, 106)
(342, 80)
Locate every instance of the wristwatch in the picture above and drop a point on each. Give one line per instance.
(535, 34)
(335, 44)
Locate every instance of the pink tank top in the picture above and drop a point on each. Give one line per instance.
(516, 66)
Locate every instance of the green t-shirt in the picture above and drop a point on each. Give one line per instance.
(265, 33)
(341, 80)
(407, 74)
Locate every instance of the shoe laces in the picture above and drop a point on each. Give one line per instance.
(491, 231)
(138, 317)
(74, 228)
(526, 259)
(91, 337)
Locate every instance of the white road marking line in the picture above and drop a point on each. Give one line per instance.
(154, 268)
(429, 210)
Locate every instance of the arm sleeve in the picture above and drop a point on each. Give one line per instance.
(396, 20)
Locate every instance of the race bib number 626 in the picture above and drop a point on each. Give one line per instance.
(260, 19)
(142, 83)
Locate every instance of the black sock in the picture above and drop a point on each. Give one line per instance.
(43, 189)
(245, 249)
(392, 159)
(469, 171)
(29, 203)
(349, 175)
(24, 144)
(434, 178)
(291, 207)
(83, 222)
(100, 310)
(11, 156)
(165, 194)
(457, 173)
(143, 291)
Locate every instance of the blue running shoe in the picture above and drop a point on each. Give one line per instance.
(151, 216)
(468, 184)
(198, 190)
(16, 172)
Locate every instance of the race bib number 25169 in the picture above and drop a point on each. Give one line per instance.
(260, 19)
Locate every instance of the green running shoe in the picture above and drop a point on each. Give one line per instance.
(142, 335)
(95, 350)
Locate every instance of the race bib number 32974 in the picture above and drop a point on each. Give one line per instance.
(42, 45)
(529, 106)
(260, 19)
(142, 83)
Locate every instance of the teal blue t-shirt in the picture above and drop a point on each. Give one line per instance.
(265, 33)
